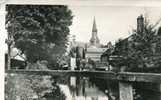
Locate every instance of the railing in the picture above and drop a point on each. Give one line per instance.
(125, 78)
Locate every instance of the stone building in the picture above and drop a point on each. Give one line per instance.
(117, 56)
(94, 49)
(87, 51)
(94, 41)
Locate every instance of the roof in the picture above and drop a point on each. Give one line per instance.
(94, 28)
(15, 54)
(96, 50)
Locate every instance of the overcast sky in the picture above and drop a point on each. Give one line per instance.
(113, 22)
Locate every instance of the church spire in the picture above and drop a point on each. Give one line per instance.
(94, 29)
(94, 39)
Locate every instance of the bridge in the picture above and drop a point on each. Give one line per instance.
(125, 79)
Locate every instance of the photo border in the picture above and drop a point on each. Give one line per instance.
(3, 3)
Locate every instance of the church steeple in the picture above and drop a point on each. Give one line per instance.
(94, 29)
(94, 39)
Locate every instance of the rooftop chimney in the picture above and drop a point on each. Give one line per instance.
(140, 23)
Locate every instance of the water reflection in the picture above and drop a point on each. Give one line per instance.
(147, 91)
(84, 88)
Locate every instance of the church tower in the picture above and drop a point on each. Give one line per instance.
(94, 41)
(94, 50)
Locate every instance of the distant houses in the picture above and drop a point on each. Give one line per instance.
(86, 52)
(119, 56)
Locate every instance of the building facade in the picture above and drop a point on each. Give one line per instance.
(94, 50)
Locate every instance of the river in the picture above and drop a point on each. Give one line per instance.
(85, 88)
(73, 88)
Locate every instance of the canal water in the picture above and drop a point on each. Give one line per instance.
(85, 88)
(73, 88)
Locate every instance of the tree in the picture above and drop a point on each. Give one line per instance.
(140, 51)
(39, 31)
(144, 49)
(119, 53)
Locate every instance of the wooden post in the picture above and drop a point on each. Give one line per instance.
(125, 91)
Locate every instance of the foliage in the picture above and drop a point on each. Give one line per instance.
(56, 94)
(39, 31)
(120, 50)
(72, 52)
(62, 62)
(141, 48)
(140, 51)
(26, 87)
(32, 87)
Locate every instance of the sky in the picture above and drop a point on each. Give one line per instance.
(113, 22)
